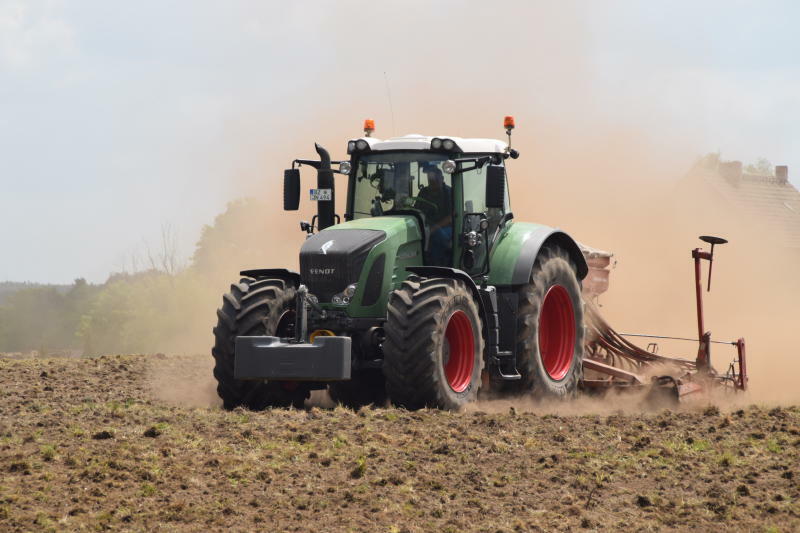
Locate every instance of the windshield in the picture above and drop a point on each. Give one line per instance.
(393, 181)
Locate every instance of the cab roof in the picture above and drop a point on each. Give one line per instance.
(415, 141)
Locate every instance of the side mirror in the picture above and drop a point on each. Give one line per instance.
(291, 189)
(495, 186)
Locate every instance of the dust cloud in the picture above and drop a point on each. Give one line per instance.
(185, 380)
(625, 197)
(606, 165)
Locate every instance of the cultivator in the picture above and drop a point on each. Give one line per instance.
(611, 361)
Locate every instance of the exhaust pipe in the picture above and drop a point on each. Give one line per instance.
(325, 208)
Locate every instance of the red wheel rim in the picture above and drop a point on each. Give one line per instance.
(557, 332)
(460, 339)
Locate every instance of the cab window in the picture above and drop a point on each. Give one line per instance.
(474, 196)
(388, 183)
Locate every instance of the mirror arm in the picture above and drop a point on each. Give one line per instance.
(480, 162)
(315, 164)
(309, 162)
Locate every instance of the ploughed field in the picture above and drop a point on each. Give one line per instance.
(136, 443)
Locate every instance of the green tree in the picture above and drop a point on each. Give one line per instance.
(762, 167)
(33, 319)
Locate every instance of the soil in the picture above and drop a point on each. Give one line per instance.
(138, 443)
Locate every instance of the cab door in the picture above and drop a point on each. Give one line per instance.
(475, 223)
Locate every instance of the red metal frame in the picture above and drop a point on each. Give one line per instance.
(742, 381)
(703, 359)
(624, 364)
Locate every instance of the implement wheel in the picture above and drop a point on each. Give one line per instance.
(433, 353)
(253, 308)
(550, 329)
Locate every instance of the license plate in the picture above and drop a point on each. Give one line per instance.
(320, 195)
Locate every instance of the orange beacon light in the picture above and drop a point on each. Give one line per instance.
(369, 126)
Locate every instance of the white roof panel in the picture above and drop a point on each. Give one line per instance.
(423, 142)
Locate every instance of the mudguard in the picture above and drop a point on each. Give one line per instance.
(446, 272)
(513, 256)
(277, 273)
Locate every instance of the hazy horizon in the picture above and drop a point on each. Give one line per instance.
(118, 119)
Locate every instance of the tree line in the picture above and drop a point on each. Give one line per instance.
(162, 308)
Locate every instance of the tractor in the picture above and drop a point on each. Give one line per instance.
(426, 293)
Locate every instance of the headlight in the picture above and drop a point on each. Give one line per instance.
(344, 297)
(449, 166)
(448, 144)
(436, 144)
(361, 144)
(344, 167)
(350, 290)
(351, 146)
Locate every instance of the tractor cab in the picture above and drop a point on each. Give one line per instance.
(454, 190)
(444, 182)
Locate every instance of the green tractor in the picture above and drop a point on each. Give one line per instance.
(428, 292)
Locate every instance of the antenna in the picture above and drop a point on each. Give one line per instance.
(389, 96)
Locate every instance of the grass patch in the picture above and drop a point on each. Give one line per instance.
(360, 468)
(48, 452)
(147, 490)
(774, 446)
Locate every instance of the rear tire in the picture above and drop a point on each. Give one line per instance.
(254, 307)
(433, 352)
(550, 330)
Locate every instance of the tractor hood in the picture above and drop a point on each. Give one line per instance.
(345, 253)
(333, 258)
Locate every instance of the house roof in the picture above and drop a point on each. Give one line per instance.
(772, 201)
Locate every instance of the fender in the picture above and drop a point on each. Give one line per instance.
(523, 243)
(278, 273)
(530, 251)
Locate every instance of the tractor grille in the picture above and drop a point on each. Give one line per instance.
(332, 259)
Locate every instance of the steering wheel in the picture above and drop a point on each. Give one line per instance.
(415, 200)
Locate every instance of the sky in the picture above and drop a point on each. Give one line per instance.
(120, 119)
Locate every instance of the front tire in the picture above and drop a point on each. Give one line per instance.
(550, 330)
(433, 353)
(254, 308)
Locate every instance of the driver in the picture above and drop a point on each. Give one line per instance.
(438, 209)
